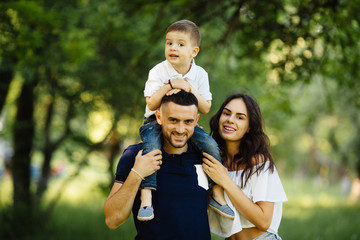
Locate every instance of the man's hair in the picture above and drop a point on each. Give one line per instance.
(188, 27)
(181, 98)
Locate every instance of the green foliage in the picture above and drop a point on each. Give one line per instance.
(312, 212)
(87, 63)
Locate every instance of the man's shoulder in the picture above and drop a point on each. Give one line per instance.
(126, 161)
(135, 148)
(131, 151)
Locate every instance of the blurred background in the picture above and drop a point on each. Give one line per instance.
(71, 98)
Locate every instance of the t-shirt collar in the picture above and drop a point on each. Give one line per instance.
(189, 150)
(174, 74)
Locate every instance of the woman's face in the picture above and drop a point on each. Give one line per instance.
(234, 120)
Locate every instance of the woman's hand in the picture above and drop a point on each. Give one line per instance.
(215, 170)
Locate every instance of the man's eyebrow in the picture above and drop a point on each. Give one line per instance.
(236, 113)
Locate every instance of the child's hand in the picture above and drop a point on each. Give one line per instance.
(173, 91)
(179, 83)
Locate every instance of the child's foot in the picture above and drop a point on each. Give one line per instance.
(223, 210)
(145, 213)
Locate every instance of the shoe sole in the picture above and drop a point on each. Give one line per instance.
(222, 214)
(145, 218)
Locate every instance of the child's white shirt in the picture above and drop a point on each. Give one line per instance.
(162, 72)
(263, 187)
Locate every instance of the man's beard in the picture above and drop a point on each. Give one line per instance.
(177, 144)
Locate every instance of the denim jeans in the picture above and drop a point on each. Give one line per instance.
(151, 135)
(268, 236)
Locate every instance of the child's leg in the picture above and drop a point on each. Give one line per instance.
(203, 142)
(146, 211)
(218, 194)
(150, 134)
(146, 197)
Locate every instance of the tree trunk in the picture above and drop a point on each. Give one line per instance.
(48, 152)
(355, 187)
(20, 167)
(6, 76)
(45, 174)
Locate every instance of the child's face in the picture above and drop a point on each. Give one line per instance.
(180, 50)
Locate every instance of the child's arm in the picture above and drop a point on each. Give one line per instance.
(154, 100)
(204, 105)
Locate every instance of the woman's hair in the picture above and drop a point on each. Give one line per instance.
(255, 144)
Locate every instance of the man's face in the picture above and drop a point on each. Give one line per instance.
(178, 123)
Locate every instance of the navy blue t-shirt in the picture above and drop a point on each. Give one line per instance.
(179, 202)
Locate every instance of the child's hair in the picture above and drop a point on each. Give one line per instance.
(188, 27)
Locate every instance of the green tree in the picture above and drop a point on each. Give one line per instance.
(71, 60)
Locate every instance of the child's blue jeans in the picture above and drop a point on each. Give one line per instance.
(268, 236)
(151, 136)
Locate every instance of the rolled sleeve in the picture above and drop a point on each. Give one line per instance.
(126, 162)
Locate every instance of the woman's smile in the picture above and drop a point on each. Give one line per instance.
(229, 129)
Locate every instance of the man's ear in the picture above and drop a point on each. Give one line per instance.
(158, 117)
(195, 51)
(197, 118)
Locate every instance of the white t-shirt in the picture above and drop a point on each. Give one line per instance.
(263, 187)
(162, 72)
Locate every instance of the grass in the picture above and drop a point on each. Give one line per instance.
(318, 212)
(312, 212)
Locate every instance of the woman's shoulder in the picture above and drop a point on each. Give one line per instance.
(260, 162)
(258, 159)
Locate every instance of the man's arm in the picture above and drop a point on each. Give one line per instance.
(119, 203)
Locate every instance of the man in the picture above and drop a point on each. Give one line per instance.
(181, 196)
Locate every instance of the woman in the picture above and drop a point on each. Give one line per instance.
(249, 177)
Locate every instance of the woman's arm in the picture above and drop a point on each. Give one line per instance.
(259, 213)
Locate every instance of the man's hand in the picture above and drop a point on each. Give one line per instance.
(147, 164)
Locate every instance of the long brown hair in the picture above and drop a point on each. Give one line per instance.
(255, 144)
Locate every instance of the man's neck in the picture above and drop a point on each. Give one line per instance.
(173, 150)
